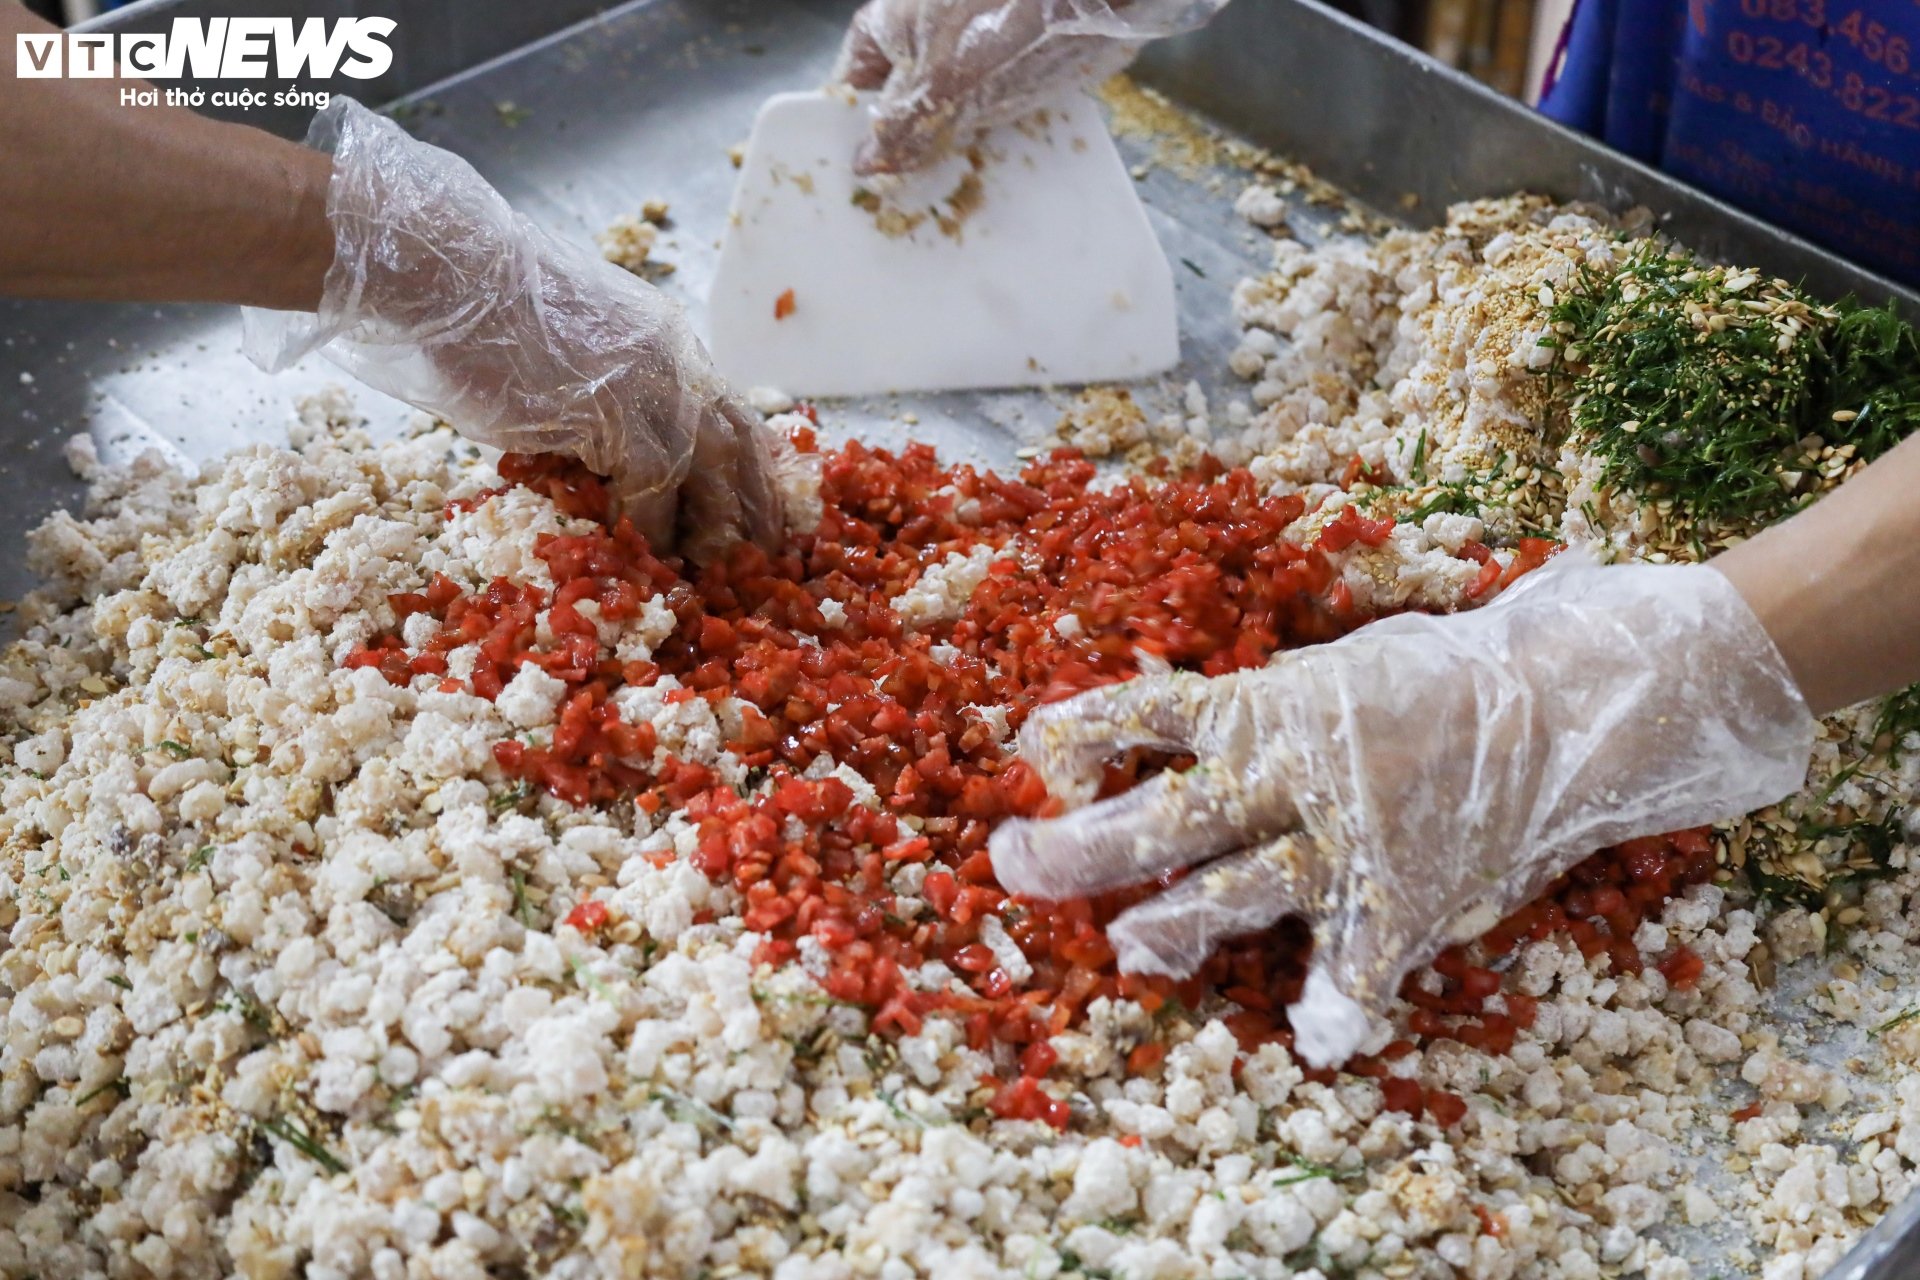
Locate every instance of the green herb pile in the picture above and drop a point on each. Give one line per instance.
(1704, 384)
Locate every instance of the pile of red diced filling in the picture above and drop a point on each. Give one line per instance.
(1188, 570)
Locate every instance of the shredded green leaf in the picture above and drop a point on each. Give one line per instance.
(1456, 499)
(1308, 1170)
(1875, 840)
(522, 911)
(1174, 1010)
(694, 1111)
(1690, 390)
(764, 996)
(120, 1086)
(512, 797)
(588, 979)
(249, 1009)
(303, 1142)
(1899, 719)
(1071, 1262)
(1898, 1020)
(893, 1105)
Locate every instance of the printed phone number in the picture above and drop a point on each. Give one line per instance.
(1816, 68)
(1871, 39)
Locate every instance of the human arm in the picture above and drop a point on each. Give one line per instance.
(946, 68)
(1838, 586)
(1406, 787)
(400, 263)
(151, 203)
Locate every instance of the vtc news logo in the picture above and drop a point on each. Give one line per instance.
(214, 49)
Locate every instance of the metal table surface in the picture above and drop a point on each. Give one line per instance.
(577, 124)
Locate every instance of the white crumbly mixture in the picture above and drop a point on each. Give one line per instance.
(630, 241)
(252, 895)
(1103, 421)
(1420, 353)
(941, 592)
(286, 991)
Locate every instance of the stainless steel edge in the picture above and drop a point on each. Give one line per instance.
(1386, 122)
(1891, 1251)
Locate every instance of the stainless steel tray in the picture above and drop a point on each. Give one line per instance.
(1384, 122)
(579, 112)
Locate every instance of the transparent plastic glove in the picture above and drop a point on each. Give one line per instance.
(946, 68)
(443, 296)
(1406, 787)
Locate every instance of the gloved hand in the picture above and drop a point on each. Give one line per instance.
(1405, 787)
(443, 296)
(947, 68)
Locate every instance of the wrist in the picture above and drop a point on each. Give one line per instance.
(311, 246)
(1833, 586)
(1795, 597)
(247, 220)
(1659, 686)
(285, 259)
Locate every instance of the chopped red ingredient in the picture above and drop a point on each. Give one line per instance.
(589, 916)
(1401, 1094)
(1479, 983)
(1145, 1058)
(1530, 555)
(1749, 1112)
(1024, 1099)
(784, 305)
(1683, 969)
(1447, 1109)
(1038, 1059)
(1489, 578)
(1192, 571)
(1358, 471)
(1349, 527)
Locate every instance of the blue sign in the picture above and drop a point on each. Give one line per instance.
(1806, 112)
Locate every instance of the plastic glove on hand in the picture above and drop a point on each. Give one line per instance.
(948, 68)
(443, 296)
(1406, 787)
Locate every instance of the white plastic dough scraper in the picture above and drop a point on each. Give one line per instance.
(1028, 260)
